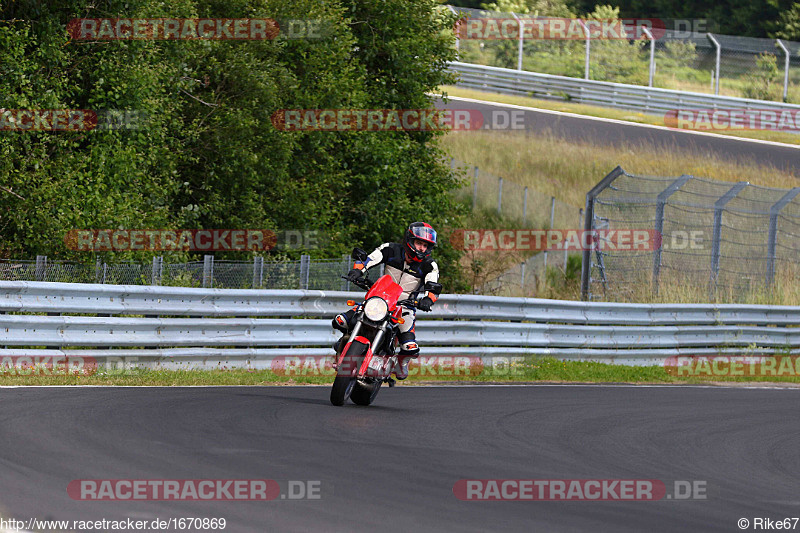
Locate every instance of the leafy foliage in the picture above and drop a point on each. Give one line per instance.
(208, 155)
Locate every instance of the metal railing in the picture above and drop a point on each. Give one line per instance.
(634, 97)
(191, 327)
(651, 54)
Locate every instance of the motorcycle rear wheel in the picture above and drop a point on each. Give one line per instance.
(365, 393)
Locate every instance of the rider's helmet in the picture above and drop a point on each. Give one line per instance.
(422, 231)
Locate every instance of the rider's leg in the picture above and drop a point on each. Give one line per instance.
(408, 344)
(343, 321)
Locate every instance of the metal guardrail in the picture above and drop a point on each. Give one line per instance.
(227, 327)
(634, 97)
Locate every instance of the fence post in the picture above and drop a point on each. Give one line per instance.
(155, 273)
(773, 231)
(586, 264)
(588, 49)
(787, 55)
(305, 267)
(652, 54)
(345, 268)
(475, 190)
(719, 206)
(41, 267)
(499, 196)
(208, 271)
(258, 271)
(457, 30)
(716, 69)
(525, 205)
(661, 201)
(521, 39)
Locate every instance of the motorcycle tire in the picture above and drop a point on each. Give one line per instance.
(365, 393)
(344, 384)
(342, 389)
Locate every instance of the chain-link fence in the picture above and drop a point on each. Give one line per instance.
(495, 200)
(706, 239)
(255, 274)
(764, 69)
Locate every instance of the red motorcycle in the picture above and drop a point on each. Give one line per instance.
(367, 358)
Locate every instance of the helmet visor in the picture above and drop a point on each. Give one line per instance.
(426, 234)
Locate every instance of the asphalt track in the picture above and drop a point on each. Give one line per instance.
(618, 133)
(392, 466)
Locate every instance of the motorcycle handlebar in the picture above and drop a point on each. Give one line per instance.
(364, 283)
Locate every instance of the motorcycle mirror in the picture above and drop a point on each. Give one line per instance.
(359, 254)
(435, 288)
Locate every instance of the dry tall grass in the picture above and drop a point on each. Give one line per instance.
(567, 170)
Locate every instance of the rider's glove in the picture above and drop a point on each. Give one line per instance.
(354, 275)
(425, 304)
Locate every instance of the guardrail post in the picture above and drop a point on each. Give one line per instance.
(305, 267)
(41, 267)
(772, 237)
(586, 265)
(258, 271)
(719, 207)
(716, 69)
(787, 55)
(499, 196)
(661, 201)
(208, 271)
(475, 190)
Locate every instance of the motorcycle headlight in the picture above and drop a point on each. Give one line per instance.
(376, 309)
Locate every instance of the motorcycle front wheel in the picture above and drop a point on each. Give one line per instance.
(342, 389)
(345, 381)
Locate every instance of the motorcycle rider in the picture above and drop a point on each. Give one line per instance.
(411, 266)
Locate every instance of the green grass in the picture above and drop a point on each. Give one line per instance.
(603, 112)
(516, 369)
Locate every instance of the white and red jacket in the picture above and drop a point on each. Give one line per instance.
(410, 275)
